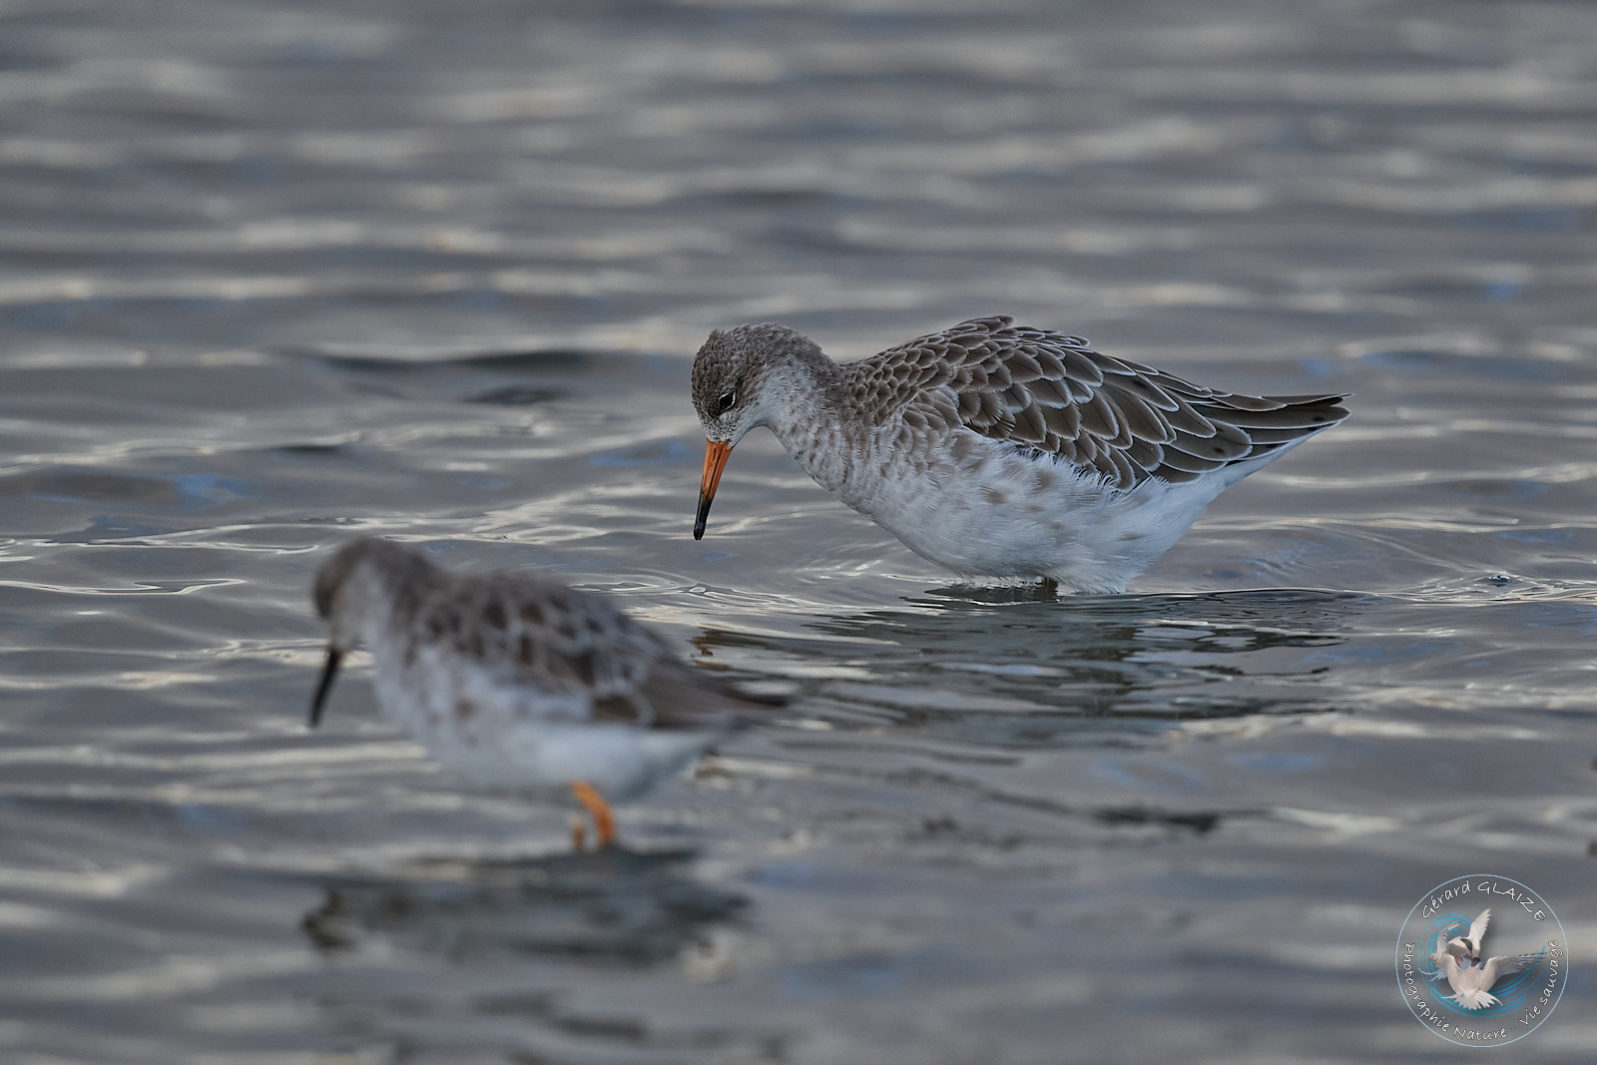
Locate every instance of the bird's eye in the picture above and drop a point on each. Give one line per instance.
(726, 402)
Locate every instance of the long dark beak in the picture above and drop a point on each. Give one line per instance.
(715, 456)
(329, 671)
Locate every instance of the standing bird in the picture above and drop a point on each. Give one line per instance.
(519, 683)
(995, 449)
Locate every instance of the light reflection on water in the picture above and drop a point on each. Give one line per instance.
(276, 275)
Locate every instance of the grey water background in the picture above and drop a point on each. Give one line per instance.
(271, 273)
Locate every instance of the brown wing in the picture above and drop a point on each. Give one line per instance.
(675, 695)
(1055, 395)
(548, 636)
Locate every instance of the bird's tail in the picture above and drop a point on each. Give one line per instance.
(1274, 425)
(1473, 999)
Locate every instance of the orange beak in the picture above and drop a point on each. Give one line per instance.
(715, 456)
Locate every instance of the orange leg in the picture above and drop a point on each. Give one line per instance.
(579, 834)
(603, 821)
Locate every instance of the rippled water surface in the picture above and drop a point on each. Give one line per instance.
(273, 272)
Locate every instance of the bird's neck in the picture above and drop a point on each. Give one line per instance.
(805, 401)
(394, 594)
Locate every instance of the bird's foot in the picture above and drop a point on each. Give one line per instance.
(604, 824)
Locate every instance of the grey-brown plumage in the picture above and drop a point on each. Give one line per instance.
(546, 635)
(1054, 393)
(929, 432)
(517, 681)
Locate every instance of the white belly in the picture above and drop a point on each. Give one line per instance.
(506, 736)
(1000, 513)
